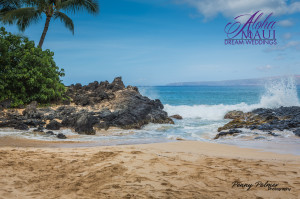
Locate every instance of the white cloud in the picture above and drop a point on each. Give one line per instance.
(232, 8)
(264, 68)
(285, 23)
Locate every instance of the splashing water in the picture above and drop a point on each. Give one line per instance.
(278, 92)
(281, 92)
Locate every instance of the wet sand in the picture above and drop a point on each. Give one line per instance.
(187, 169)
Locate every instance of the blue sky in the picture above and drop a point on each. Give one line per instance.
(155, 42)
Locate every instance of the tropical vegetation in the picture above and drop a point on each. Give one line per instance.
(23, 13)
(27, 73)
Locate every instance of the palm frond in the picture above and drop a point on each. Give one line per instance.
(10, 3)
(91, 6)
(65, 19)
(23, 17)
(6, 6)
(39, 4)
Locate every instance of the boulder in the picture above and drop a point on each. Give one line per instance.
(230, 132)
(39, 129)
(297, 132)
(259, 138)
(85, 123)
(53, 125)
(61, 136)
(273, 134)
(21, 126)
(178, 117)
(50, 133)
(81, 100)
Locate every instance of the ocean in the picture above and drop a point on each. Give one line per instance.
(202, 109)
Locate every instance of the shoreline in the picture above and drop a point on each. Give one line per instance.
(185, 169)
(15, 141)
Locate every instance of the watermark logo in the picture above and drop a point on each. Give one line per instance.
(255, 29)
(268, 186)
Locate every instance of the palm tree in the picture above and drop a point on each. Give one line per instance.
(6, 6)
(26, 12)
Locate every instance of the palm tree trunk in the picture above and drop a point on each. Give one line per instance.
(45, 31)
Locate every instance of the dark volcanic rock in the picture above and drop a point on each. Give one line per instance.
(178, 117)
(133, 88)
(85, 124)
(39, 129)
(31, 111)
(81, 100)
(230, 132)
(101, 105)
(65, 110)
(135, 110)
(234, 115)
(116, 85)
(297, 132)
(21, 126)
(53, 125)
(259, 138)
(50, 133)
(273, 134)
(5, 104)
(61, 136)
(283, 118)
(77, 86)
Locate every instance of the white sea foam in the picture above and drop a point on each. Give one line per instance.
(282, 92)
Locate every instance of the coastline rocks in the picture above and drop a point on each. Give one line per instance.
(94, 106)
(21, 126)
(116, 85)
(178, 117)
(39, 129)
(234, 115)
(31, 111)
(5, 104)
(61, 136)
(297, 132)
(230, 132)
(53, 125)
(85, 123)
(283, 118)
(50, 133)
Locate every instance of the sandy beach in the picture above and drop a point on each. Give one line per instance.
(186, 169)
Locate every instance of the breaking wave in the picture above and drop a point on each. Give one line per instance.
(279, 92)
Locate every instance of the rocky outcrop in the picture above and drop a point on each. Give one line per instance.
(91, 107)
(283, 118)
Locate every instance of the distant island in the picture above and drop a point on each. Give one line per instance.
(239, 82)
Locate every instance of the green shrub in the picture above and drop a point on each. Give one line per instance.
(27, 73)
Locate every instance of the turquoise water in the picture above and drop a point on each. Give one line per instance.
(209, 95)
